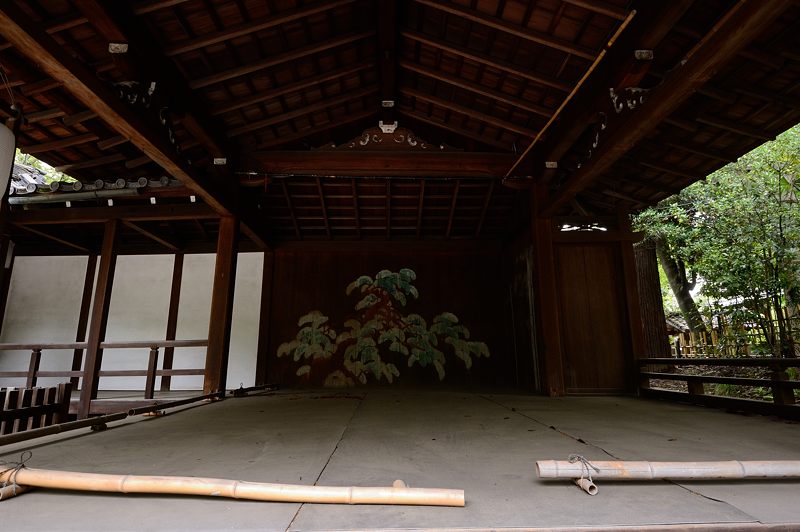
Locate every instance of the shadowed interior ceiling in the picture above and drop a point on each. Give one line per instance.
(270, 110)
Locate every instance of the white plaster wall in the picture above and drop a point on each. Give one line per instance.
(44, 301)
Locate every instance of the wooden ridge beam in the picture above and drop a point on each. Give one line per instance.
(288, 88)
(736, 29)
(248, 28)
(383, 163)
(291, 55)
(469, 112)
(55, 61)
(313, 108)
(505, 66)
(477, 88)
(521, 32)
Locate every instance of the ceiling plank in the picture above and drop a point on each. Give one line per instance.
(469, 112)
(602, 8)
(53, 59)
(483, 59)
(477, 88)
(152, 236)
(735, 30)
(248, 28)
(513, 29)
(285, 57)
(316, 129)
(382, 163)
(306, 110)
(288, 88)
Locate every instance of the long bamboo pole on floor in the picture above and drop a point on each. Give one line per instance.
(399, 493)
(637, 470)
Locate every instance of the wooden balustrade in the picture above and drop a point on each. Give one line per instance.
(33, 408)
(783, 395)
(33, 373)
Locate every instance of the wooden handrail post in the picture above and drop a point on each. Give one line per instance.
(33, 367)
(781, 395)
(152, 365)
(695, 387)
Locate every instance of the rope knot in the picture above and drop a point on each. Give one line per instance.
(586, 465)
(15, 468)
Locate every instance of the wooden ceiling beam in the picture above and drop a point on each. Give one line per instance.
(319, 106)
(91, 163)
(59, 144)
(149, 6)
(46, 114)
(54, 60)
(734, 127)
(54, 238)
(653, 22)
(505, 66)
(469, 112)
(516, 30)
(248, 28)
(603, 8)
(460, 132)
(291, 55)
(743, 23)
(97, 215)
(152, 236)
(476, 88)
(289, 88)
(387, 56)
(381, 163)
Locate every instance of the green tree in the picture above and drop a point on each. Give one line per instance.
(739, 231)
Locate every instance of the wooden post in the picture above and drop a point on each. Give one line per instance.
(264, 322)
(83, 316)
(630, 284)
(172, 317)
(99, 318)
(781, 395)
(548, 326)
(152, 366)
(219, 326)
(651, 304)
(6, 268)
(33, 367)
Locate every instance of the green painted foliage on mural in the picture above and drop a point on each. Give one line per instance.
(378, 331)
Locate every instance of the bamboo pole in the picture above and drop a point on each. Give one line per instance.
(397, 494)
(583, 472)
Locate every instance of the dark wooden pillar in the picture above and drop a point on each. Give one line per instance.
(651, 303)
(172, 317)
(99, 318)
(6, 268)
(631, 289)
(219, 327)
(83, 316)
(265, 317)
(548, 327)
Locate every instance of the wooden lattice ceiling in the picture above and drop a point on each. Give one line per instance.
(518, 92)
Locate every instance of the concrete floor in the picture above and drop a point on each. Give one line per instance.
(484, 443)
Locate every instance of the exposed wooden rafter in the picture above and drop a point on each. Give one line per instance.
(735, 30)
(152, 236)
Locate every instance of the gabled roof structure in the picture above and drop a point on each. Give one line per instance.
(257, 108)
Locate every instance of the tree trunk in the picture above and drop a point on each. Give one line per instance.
(681, 287)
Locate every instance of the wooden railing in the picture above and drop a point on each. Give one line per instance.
(33, 408)
(782, 388)
(33, 373)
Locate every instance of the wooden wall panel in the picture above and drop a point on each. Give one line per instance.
(593, 316)
(471, 286)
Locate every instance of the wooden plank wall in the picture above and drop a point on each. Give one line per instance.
(473, 286)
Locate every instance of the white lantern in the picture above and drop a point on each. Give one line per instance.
(8, 147)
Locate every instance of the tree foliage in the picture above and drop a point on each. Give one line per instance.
(739, 231)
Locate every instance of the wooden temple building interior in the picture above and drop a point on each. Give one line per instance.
(494, 149)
